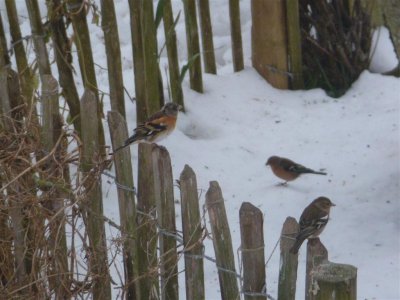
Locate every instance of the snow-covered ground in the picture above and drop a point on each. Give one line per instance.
(228, 133)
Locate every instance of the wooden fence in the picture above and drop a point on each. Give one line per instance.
(52, 225)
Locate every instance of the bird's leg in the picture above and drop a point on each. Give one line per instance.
(285, 183)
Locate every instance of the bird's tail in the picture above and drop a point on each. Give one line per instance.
(306, 170)
(129, 141)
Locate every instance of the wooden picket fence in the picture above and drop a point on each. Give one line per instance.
(53, 241)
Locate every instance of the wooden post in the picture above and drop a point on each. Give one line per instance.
(252, 248)
(288, 262)
(192, 235)
(294, 44)
(268, 39)
(192, 36)
(172, 51)
(25, 72)
(334, 281)
(222, 242)
(207, 37)
(236, 35)
(138, 61)
(165, 202)
(62, 53)
(113, 52)
(93, 203)
(150, 52)
(147, 231)
(85, 56)
(51, 132)
(316, 255)
(126, 201)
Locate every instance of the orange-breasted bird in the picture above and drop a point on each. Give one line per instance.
(312, 221)
(156, 127)
(287, 169)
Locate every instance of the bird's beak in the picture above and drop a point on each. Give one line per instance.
(333, 204)
(266, 163)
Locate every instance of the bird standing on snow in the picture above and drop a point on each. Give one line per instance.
(288, 170)
(157, 127)
(312, 221)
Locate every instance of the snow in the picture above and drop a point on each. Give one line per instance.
(229, 131)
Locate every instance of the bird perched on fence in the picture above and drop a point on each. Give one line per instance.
(287, 169)
(157, 127)
(312, 221)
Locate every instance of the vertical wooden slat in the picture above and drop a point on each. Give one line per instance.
(222, 242)
(207, 37)
(316, 255)
(126, 202)
(77, 12)
(268, 39)
(93, 203)
(236, 35)
(147, 231)
(62, 53)
(25, 72)
(172, 51)
(288, 261)
(294, 44)
(252, 248)
(150, 52)
(193, 46)
(192, 235)
(138, 60)
(166, 219)
(334, 281)
(113, 52)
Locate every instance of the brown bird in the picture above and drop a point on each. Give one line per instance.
(157, 127)
(312, 221)
(287, 169)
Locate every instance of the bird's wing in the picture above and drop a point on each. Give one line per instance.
(293, 167)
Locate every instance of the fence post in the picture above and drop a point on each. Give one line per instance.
(93, 203)
(193, 47)
(236, 35)
(172, 52)
(138, 60)
(330, 279)
(222, 242)
(62, 54)
(207, 37)
(268, 40)
(192, 235)
(126, 202)
(295, 65)
(113, 52)
(147, 232)
(288, 261)
(165, 203)
(316, 255)
(252, 248)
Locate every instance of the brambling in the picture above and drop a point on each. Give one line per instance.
(288, 170)
(156, 127)
(312, 221)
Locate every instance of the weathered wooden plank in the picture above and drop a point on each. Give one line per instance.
(252, 248)
(236, 35)
(316, 255)
(288, 261)
(165, 203)
(222, 242)
(192, 235)
(126, 202)
(207, 37)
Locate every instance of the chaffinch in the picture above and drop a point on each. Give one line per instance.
(312, 221)
(157, 127)
(288, 170)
